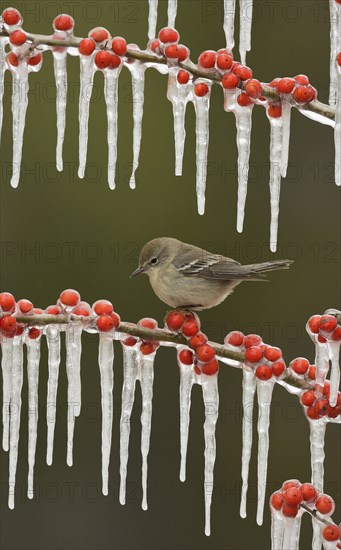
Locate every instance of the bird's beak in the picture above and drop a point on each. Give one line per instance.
(139, 270)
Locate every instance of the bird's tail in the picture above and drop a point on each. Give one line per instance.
(256, 271)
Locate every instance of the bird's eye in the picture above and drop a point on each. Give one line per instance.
(154, 261)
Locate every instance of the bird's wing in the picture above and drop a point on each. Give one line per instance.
(211, 266)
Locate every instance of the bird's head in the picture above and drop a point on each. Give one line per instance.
(154, 255)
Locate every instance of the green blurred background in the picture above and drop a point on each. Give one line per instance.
(58, 231)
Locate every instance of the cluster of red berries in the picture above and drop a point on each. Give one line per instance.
(324, 328)
(13, 20)
(146, 347)
(9, 310)
(111, 50)
(203, 356)
(288, 499)
(267, 361)
(316, 402)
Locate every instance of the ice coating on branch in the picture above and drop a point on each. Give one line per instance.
(53, 345)
(19, 107)
(276, 139)
(286, 120)
(229, 14)
(130, 375)
(17, 381)
(264, 395)
(334, 354)
(73, 335)
(60, 75)
(211, 401)
(105, 362)
(321, 361)
(87, 71)
(243, 124)
(178, 95)
(317, 455)
(111, 99)
(245, 10)
(152, 18)
(172, 11)
(33, 359)
(277, 529)
(291, 535)
(6, 367)
(249, 388)
(3, 42)
(202, 107)
(335, 47)
(137, 71)
(187, 379)
(146, 376)
(337, 131)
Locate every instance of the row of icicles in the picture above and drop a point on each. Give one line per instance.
(263, 366)
(94, 56)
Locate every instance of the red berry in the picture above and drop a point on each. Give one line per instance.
(300, 365)
(154, 45)
(291, 483)
(103, 307)
(286, 85)
(301, 94)
(321, 407)
(244, 73)
(33, 333)
(172, 51)
(70, 297)
(210, 368)
(229, 81)
(87, 46)
(34, 59)
(99, 34)
(325, 505)
(205, 353)
(115, 319)
(207, 59)
(289, 511)
(25, 306)
(13, 59)
(273, 354)
(201, 89)
(234, 338)
(274, 83)
(326, 388)
(302, 79)
(224, 61)
(186, 357)
(83, 309)
(331, 533)
(175, 320)
(336, 336)
(53, 310)
(333, 412)
(276, 500)
(253, 88)
(38, 311)
(327, 323)
(312, 93)
(309, 492)
(129, 341)
(8, 325)
(183, 53)
(17, 37)
(275, 110)
(147, 322)
(312, 372)
(263, 372)
(338, 59)
(168, 35)
(190, 327)
(252, 340)
(197, 340)
(115, 61)
(63, 22)
(7, 301)
(253, 354)
(103, 59)
(244, 100)
(312, 414)
(183, 77)
(105, 323)
(11, 16)
(308, 398)
(278, 368)
(321, 339)
(293, 496)
(146, 348)
(119, 45)
(197, 370)
(314, 323)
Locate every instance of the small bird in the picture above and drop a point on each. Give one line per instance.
(185, 276)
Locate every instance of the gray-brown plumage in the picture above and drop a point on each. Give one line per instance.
(183, 275)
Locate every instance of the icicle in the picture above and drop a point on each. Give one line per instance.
(60, 75)
(211, 402)
(130, 373)
(137, 71)
(317, 436)
(33, 358)
(277, 530)
(87, 71)
(291, 535)
(111, 98)
(243, 123)
(53, 344)
(335, 46)
(202, 106)
(178, 95)
(337, 131)
(105, 361)
(275, 176)
(17, 380)
(73, 353)
(321, 361)
(19, 107)
(249, 388)
(152, 18)
(172, 10)
(229, 14)
(3, 42)
(286, 120)
(6, 367)
(334, 353)
(245, 7)
(264, 395)
(146, 374)
(187, 379)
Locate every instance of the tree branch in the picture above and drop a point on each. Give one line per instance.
(325, 111)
